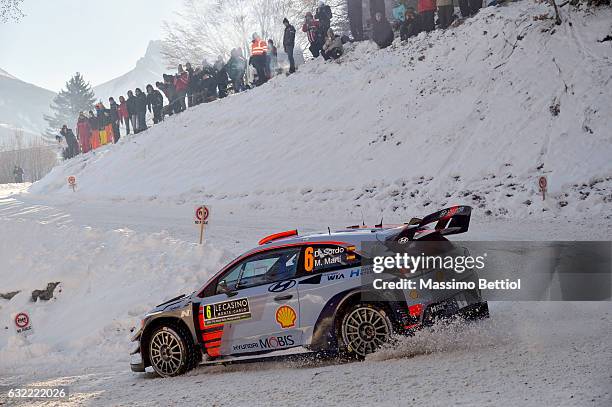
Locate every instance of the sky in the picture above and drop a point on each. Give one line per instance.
(101, 39)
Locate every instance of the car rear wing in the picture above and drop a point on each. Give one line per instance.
(449, 221)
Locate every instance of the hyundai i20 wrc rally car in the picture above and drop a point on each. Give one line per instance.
(301, 292)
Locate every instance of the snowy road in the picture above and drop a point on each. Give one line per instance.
(527, 353)
(540, 354)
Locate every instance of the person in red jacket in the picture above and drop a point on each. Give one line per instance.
(311, 28)
(181, 81)
(124, 116)
(426, 9)
(84, 132)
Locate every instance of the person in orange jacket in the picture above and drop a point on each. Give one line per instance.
(259, 51)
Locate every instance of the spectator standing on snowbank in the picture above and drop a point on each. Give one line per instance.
(355, 16)
(181, 81)
(72, 148)
(167, 86)
(209, 84)
(426, 9)
(84, 132)
(114, 116)
(155, 103)
(399, 11)
(410, 25)
(124, 116)
(311, 28)
(377, 6)
(272, 58)
(131, 107)
(259, 49)
(324, 15)
(191, 86)
(236, 67)
(332, 49)
(382, 33)
(446, 9)
(469, 7)
(289, 43)
(141, 110)
(221, 77)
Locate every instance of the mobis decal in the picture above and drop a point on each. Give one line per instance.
(266, 343)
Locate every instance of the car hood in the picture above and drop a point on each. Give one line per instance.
(173, 303)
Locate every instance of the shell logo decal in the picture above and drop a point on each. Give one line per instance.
(286, 316)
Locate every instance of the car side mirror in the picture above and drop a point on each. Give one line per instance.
(223, 288)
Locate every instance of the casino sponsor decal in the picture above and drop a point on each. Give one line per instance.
(226, 311)
(286, 316)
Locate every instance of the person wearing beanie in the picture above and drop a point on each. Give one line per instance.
(289, 43)
(311, 28)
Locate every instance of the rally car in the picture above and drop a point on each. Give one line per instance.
(303, 293)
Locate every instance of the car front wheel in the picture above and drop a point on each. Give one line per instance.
(364, 329)
(171, 351)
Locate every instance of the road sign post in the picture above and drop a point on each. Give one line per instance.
(543, 183)
(23, 323)
(72, 182)
(201, 218)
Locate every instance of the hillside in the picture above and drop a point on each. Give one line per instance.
(472, 114)
(148, 69)
(22, 106)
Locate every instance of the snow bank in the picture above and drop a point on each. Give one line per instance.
(108, 281)
(473, 114)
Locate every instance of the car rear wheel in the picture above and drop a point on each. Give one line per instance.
(364, 329)
(171, 351)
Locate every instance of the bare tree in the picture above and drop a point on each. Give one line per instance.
(35, 157)
(10, 10)
(209, 28)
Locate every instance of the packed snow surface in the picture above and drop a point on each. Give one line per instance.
(475, 113)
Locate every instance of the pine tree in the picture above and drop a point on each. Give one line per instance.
(77, 97)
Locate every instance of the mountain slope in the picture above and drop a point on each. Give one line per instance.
(22, 106)
(473, 114)
(148, 69)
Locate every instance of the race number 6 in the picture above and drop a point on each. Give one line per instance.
(308, 259)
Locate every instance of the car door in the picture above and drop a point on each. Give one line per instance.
(328, 270)
(255, 306)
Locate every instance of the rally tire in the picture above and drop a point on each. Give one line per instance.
(171, 350)
(363, 329)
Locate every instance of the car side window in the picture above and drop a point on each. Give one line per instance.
(324, 258)
(261, 269)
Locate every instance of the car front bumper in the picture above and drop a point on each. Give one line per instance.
(136, 362)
